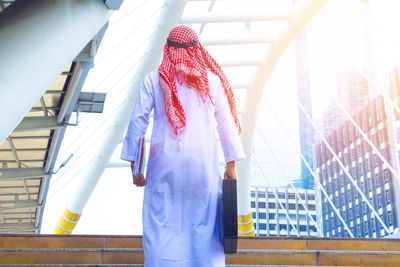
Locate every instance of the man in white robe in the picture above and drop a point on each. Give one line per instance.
(182, 206)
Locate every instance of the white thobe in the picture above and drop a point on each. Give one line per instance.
(182, 206)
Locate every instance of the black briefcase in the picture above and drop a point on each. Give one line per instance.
(230, 215)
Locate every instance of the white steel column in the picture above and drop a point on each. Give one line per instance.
(303, 12)
(38, 40)
(170, 15)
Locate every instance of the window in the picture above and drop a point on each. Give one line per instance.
(271, 216)
(272, 205)
(381, 136)
(262, 215)
(377, 180)
(390, 219)
(379, 200)
(388, 200)
(303, 228)
(253, 194)
(262, 226)
(261, 205)
(253, 204)
(386, 175)
(376, 160)
(261, 194)
(254, 215)
(373, 225)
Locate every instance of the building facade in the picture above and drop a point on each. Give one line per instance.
(306, 131)
(367, 169)
(277, 211)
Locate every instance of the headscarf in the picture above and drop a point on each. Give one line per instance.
(185, 57)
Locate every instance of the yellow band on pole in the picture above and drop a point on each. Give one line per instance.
(67, 223)
(251, 233)
(245, 225)
(71, 216)
(245, 218)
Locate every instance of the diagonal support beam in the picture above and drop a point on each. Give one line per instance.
(14, 152)
(38, 123)
(21, 173)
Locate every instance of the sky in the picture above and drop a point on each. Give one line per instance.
(335, 43)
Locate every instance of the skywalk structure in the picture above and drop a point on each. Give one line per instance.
(228, 49)
(41, 88)
(33, 117)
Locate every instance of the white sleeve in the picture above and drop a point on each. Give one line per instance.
(226, 127)
(139, 120)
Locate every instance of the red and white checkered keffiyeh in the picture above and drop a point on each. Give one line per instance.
(187, 58)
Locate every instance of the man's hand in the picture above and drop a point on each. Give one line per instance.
(138, 180)
(230, 170)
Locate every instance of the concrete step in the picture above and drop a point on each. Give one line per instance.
(74, 250)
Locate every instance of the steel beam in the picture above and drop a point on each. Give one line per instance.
(244, 16)
(40, 108)
(22, 204)
(32, 137)
(23, 150)
(240, 85)
(46, 27)
(14, 152)
(237, 39)
(8, 227)
(38, 123)
(234, 62)
(23, 160)
(21, 173)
